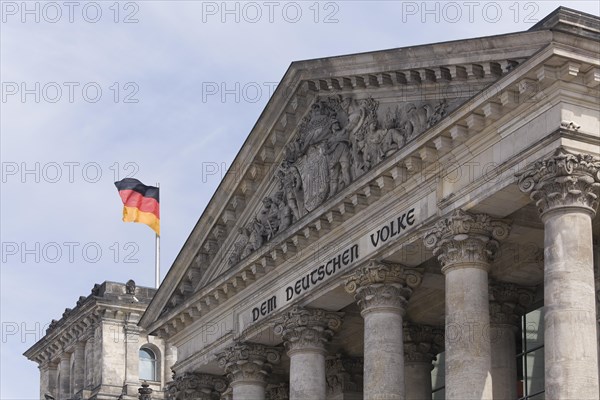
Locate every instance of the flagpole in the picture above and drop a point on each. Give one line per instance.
(157, 256)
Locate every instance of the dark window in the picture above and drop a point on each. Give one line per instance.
(148, 365)
(530, 356)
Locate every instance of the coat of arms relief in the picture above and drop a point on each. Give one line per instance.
(339, 140)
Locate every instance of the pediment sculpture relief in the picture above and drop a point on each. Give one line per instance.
(338, 141)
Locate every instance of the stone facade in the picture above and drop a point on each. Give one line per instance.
(396, 205)
(93, 351)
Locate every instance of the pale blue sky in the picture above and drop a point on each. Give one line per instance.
(166, 59)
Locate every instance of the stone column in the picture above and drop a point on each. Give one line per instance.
(305, 332)
(132, 355)
(196, 386)
(422, 344)
(598, 316)
(508, 303)
(64, 381)
(565, 188)
(382, 292)
(170, 359)
(98, 351)
(78, 367)
(247, 366)
(48, 380)
(89, 364)
(465, 244)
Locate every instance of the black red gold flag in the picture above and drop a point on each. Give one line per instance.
(140, 203)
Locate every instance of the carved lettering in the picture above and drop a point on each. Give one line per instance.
(265, 308)
(392, 229)
(410, 217)
(318, 274)
(338, 262)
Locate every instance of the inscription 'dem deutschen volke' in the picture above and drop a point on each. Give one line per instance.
(333, 265)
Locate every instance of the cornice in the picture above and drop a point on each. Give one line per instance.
(78, 325)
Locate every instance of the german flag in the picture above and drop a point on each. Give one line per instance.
(140, 203)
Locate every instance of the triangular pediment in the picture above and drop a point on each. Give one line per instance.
(332, 132)
(338, 140)
(330, 124)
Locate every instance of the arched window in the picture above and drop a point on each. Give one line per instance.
(148, 365)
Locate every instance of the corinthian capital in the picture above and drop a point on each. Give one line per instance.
(383, 285)
(196, 386)
(466, 239)
(248, 362)
(307, 328)
(508, 302)
(422, 343)
(563, 180)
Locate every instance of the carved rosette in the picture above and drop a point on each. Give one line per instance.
(465, 238)
(343, 374)
(563, 180)
(279, 391)
(196, 386)
(307, 329)
(248, 362)
(381, 285)
(422, 343)
(508, 302)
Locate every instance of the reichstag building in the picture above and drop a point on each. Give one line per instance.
(408, 224)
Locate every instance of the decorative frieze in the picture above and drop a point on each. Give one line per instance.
(383, 285)
(338, 141)
(508, 302)
(422, 343)
(564, 179)
(465, 238)
(196, 386)
(306, 328)
(248, 362)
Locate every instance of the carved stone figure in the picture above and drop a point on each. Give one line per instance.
(291, 183)
(360, 115)
(314, 170)
(374, 145)
(359, 166)
(267, 221)
(283, 211)
(394, 139)
(239, 246)
(339, 158)
(130, 287)
(439, 112)
(256, 239)
(338, 141)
